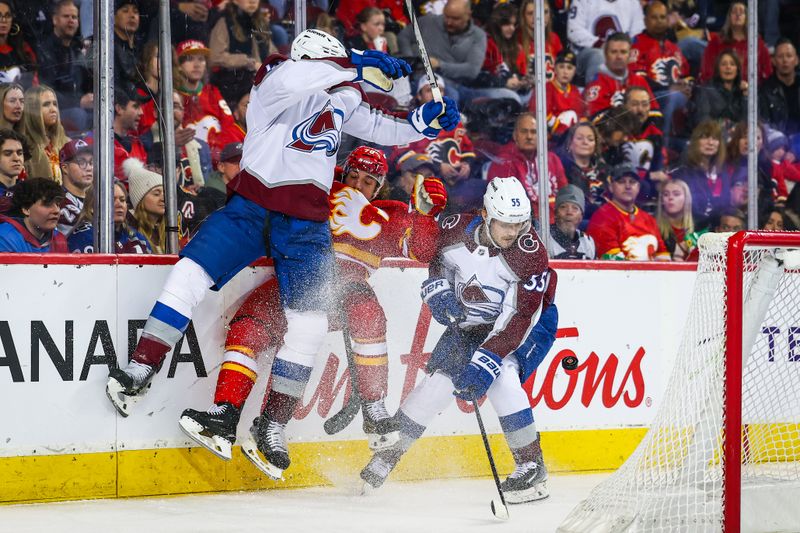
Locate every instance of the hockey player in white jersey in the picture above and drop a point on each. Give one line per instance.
(491, 285)
(299, 107)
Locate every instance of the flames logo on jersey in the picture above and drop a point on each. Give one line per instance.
(445, 151)
(206, 127)
(638, 153)
(642, 247)
(319, 132)
(478, 300)
(665, 70)
(351, 213)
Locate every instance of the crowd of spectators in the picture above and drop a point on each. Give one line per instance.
(645, 108)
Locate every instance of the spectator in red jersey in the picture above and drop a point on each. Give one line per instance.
(32, 228)
(525, 31)
(613, 78)
(733, 36)
(776, 149)
(347, 13)
(518, 159)
(77, 174)
(372, 35)
(501, 74)
(584, 166)
(127, 114)
(661, 63)
(675, 221)
(12, 97)
(565, 106)
(644, 149)
(204, 108)
(724, 99)
(17, 59)
(239, 42)
(703, 173)
(44, 133)
(620, 229)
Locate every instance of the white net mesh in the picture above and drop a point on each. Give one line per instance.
(673, 482)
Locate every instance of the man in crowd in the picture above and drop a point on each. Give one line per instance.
(644, 149)
(127, 114)
(779, 95)
(126, 47)
(77, 176)
(731, 220)
(567, 241)
(12, 160)
(410, 167)
(227, 168)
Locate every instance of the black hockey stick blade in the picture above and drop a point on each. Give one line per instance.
(342, 419)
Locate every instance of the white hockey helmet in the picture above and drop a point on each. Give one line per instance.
(507, 201)
(314, 44)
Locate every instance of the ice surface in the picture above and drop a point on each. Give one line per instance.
(460, 505)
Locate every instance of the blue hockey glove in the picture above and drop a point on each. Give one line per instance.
(478, 376)
(432, 117)
(391, 66)
(537, 344)
(442, 300)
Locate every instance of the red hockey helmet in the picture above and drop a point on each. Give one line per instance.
(370, 160)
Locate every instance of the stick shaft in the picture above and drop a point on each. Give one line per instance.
(488, 450)
(423, 52)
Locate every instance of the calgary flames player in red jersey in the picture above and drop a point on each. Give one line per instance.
(364, 231)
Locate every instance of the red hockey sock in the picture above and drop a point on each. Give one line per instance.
(150, 351)
(237, 376)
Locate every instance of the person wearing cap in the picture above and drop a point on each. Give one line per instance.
(77, 176)
(518, 159)
(410, 166)
(204, 109)
(32, 226)
(126, 42)
(565, 105)
(620, 229)
(227, 168)
(127, 114)
(567, 241)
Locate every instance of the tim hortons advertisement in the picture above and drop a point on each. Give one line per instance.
(63, 325)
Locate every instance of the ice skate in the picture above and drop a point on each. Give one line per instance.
(215, 429)
(527, 483)
(127, 386)
(383, 430)
(265, 447)
(379, 468)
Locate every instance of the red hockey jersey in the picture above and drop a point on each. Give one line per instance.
(207, 112)
(552, 47)
(626, 236)
(565, 107)
(364, 232)
(449, 147)
(608, 90)
(660, 62)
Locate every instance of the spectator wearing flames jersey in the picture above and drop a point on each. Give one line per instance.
(525, 32)
(661, 63)
(613, 79)
(365, 230)
(203, 106)
(644, 149)
(565, 105)
(620, 229)
(592, 22)
(77, 176)
(518, 159)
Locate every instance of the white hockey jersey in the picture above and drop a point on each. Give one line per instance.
(590, 20)
(504, 288)
(297, 113)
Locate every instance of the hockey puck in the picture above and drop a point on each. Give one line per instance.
(570, 362)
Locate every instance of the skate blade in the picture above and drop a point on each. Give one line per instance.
(217, 445)
(366, 489)
(535, 493)
(250, 450)
(122, 402)
(382, 442)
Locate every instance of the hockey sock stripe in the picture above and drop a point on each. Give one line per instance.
(233, 386)
(169, 316)
(235, 367)
(290, 370)
(371, 361)
(518, 420)
(241, 349)
(372, 348)
(150, 351)
(157, 329)
(520, 438)
(235, 356)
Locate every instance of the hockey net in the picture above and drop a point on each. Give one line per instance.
(723, 451)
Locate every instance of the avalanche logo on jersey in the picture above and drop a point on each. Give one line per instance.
(482, 301)
(319, 132)
(351, 213)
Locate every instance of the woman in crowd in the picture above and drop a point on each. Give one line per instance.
(239, 41)
(552, 43)
(17, 59)
(724, 98)
(12, 96)
(770, 192)
(674, 218)
(147, 198)
(703, 172)
(42, 127)
(776, 220)
(127, 240)
(371, 23)
(584, 166)
(504, 60)
(733, 36)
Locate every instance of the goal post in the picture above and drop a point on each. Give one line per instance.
(723, 451)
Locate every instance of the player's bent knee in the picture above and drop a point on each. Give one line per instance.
(185, 287)
(305, 331)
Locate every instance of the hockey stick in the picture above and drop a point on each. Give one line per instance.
(342, 419)
(423, 53)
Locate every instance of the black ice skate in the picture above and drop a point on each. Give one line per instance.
(127, 386)
(527, 483)
(215, 429)
(383, 430)
(266, 437)
(379, 468)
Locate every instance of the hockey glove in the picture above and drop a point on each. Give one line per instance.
(441, 299)
(534, 348)
(430, 196)
(378, 68)
(478, 376)
(432, 117)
